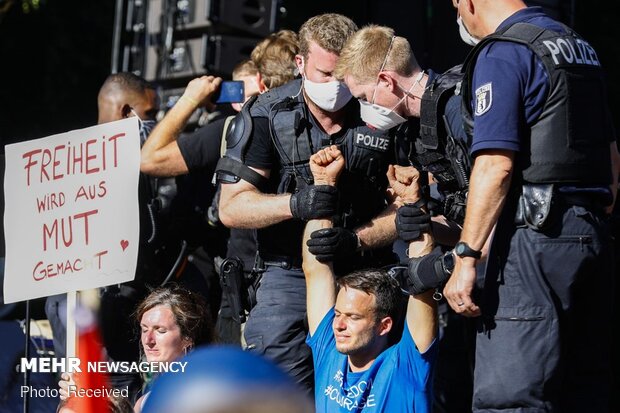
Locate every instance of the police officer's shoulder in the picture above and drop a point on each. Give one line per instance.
(265, 101)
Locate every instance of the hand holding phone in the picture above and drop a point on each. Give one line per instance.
(202, 88)
(231, 91)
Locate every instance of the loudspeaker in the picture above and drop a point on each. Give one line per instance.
(186, 14)
(258, 17)
(222, 52)
(184, 59)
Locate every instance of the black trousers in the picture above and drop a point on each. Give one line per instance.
(545, 333)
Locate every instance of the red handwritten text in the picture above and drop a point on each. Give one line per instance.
(88, 157)
(71, 266)
(65, 227)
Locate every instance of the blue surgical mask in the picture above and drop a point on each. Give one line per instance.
(146, 127)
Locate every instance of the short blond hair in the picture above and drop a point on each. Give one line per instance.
(274, 58)
(244, 68)
(329, 31)
(364, 53)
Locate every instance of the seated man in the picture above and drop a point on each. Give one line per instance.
(350, 318)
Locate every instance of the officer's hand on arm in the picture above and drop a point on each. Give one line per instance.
(160, 154)
(412, 218)
(326, 166)
(314, 201)
(421, 308)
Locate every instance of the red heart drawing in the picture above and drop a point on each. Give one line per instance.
(124, 244)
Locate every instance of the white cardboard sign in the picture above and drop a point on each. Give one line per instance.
(71, 211)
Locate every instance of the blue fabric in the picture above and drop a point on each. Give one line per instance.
(399, 380)
(519, 83)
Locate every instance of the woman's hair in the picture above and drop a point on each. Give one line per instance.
(274, 58)
(189, 310)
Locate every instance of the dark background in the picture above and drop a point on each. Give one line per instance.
(56, 53)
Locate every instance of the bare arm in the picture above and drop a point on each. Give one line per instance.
(320, 284)
(242, 205)
(421, 308)
(160, 155)
(490, 182)
(380, 231)
(326, 166)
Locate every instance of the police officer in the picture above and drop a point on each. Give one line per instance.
(267, 184)
(544, 153)
(424, 108)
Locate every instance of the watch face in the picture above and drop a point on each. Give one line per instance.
(459, 249)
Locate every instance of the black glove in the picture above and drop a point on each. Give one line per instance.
(314, 202)
(328, 243)
(411, 221)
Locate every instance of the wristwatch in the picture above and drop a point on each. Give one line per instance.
(461, 249)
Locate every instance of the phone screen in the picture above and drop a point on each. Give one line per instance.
(230, 91)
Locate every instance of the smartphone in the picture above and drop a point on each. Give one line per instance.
(230, 91)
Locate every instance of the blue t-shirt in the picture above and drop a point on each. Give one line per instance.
(509, 88)
(399, 380)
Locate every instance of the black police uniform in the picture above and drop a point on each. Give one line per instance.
(544, 339)
(284, 136)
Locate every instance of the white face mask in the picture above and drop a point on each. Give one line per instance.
(331, 96)
(380, 117)
(465, 35)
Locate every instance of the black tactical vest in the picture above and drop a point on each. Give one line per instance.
(569, 143)
(437, 150)
(296, 137)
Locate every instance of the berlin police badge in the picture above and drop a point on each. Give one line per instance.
(484, 98)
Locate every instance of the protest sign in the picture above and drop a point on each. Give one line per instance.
(71, 211)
